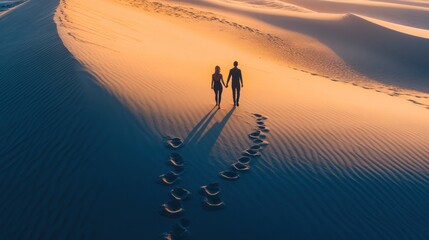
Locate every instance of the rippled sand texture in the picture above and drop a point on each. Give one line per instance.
(71, 155)
(345, 161)
(97, 96)
(9, 5)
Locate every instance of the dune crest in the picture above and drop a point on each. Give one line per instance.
(329, 146)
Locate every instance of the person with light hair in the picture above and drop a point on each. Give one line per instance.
(217, 82)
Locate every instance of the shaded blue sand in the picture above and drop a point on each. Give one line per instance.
(5, 5)
(298, 198)
(76, 164)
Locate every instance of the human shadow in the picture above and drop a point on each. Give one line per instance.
(204, 139)
(201, 126)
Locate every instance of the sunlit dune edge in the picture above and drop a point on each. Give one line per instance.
(157, 58)
(109, 128)
(159, 68)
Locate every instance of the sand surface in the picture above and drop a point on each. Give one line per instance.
(103, 86)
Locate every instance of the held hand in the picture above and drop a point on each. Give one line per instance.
(226, 85)
(242, 85)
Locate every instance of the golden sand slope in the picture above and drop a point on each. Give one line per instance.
(160, 65)
(157, 58)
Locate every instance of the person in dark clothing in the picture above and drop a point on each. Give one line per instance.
(217, 82)
(237, 83)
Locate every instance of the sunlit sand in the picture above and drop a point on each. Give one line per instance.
(329, 141)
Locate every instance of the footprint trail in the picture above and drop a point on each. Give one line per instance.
(173, 208)
(211, 193)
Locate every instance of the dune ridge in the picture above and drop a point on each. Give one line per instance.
(96, 95)
(343, 161)
(371, 64)
(7, 6)
(67, 144)
(360, 45)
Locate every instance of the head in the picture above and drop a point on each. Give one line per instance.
(217, 69)
(235, 63)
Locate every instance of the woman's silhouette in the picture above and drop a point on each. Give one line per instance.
(217, 82)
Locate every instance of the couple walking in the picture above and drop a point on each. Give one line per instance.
(237, 84)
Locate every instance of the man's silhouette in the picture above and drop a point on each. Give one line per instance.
(237, 82)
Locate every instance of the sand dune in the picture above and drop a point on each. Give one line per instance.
(109, 129)
(66, 143)
(343, 162)
(408, 13)
(276, 4)
(7, 6)
(360, 42)
(417, 32)
(363, 44)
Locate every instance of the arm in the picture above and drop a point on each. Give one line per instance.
(221, 78)
(212, 83)
(229, 77)
(241, 79)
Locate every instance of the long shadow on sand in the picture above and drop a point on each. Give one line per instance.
(201, 126)
(204, 138)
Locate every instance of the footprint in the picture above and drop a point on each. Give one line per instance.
(415, 102)
(240, 166)
(180, 193)
(260, 123)
(175, 143)
(265, 130)
(176, 160)
(244, 160)
(261, 127)
(179, 230)
(257, 115)
(211, 189)
(251, 153)
(178, 170)
(173, 208)
(256, 147)
(255, 134)
(230, 175)
(213, 202)
(169, 178)
(263, 143)
(262, 136)
(167, 236)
